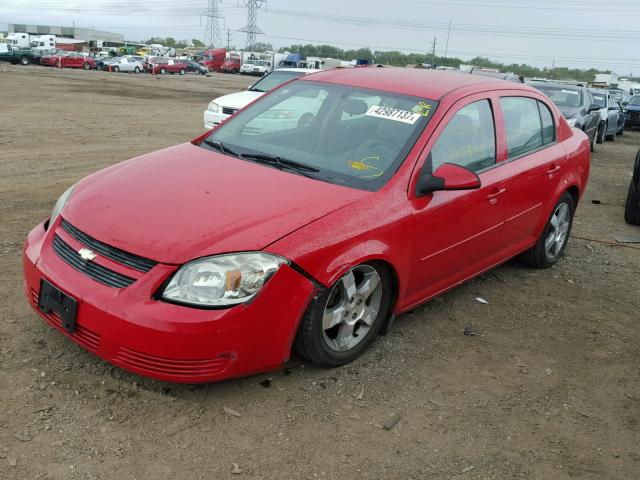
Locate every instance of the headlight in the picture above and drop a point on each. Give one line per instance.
(214, 107)
(222, 280)
(572, 122)
(62, 201)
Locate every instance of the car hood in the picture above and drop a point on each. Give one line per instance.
(186, 202)
(239, 99)
(632, 108)
(570, 112)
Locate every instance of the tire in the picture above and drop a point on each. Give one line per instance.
(540, 255)
(593, 142)
(136, 70)
(602, 129)
(621, 132)
(86, 66)
(162, 71)
(632, 207)
(332, 346)
(116, 69)
(182, 71)
(24, 60)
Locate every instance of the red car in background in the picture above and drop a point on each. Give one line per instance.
(307, 220)
(169, 66)
(68, 60)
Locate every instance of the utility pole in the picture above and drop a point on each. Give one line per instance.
(446, 49)
(252, 21)
(433, 51)
(212, 37)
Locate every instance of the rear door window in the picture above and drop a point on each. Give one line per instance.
(523, 125)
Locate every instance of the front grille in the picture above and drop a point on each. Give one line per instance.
(120, 256)
(229, 110)
(97, 272)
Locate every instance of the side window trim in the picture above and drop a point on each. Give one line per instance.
(542, 105)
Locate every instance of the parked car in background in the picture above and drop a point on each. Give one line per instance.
(622, 120)
(195, 67)
(510, 77)
(223, 107)
(261, 67)
(103, 63)
(632, 112)
(632, 207)
(404, 184)
(169, 65)
(609, 115)
(576, 104)
(620, 96)
(68, 60)
(231, 65)
(127, 65)
(8, 53)
(247, 67)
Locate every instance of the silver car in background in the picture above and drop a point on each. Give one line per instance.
(127, 64)
(609, 115)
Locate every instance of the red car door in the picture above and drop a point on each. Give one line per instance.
(457, 234)
(534, 161)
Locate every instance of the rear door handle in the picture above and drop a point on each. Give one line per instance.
(493, 196)
(553, 169)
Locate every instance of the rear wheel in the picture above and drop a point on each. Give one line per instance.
(632, 207)
(182, 71)
(24, 60)
(162, 71)
(344, 320)
(552, 242)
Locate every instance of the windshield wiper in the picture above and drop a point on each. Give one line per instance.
(221, 147)
(281, 163)
(256, 90)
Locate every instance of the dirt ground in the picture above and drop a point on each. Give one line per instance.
(549, 388)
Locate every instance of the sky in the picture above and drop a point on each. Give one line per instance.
(574, 33)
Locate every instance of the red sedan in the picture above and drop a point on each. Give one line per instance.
(69, 60)
(169, 66)
(378, 190)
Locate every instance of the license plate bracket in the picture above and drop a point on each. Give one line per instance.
(52, 300)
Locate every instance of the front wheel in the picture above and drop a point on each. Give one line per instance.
(136, 70)
(344, 320)
(592, 147)
(602, 129)
(116, 69)
(24, 60)
(182, 71)
(162, 71)
(552, 242)
(632, 207)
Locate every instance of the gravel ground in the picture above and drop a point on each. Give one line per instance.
(547, 388)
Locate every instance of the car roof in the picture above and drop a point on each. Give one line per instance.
(433, 84)
(556, 85)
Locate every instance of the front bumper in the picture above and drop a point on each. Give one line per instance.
(130, 329)
(212, 119)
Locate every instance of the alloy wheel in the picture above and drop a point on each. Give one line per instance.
(352, 308)
(558, 229)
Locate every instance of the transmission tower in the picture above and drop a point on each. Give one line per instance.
(212, 37)
(252, 21)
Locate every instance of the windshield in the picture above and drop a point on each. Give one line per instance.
(600, 99)
(635, 100)
(344, 135)
(273, 80)
(262, 63)
(563, 97)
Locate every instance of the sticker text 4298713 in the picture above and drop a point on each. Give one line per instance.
(389, 113)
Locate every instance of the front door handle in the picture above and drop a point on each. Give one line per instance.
(554, 169)
(495, 194)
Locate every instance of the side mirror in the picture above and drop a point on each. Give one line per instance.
(594, 107)
(447, 177)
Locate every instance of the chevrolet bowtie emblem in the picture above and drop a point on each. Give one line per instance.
(87, 254)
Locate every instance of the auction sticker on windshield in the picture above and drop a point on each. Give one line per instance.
(389, 113)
